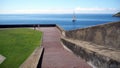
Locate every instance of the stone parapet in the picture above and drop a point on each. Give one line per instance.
(61, 30)
(107, 35)
(96, 55)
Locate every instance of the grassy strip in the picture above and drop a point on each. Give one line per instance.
(17, 44)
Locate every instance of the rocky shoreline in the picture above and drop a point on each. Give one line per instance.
(117, 14)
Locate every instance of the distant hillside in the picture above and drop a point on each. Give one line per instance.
(118, 14)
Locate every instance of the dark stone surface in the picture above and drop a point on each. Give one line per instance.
(27, 25)
(106, 35)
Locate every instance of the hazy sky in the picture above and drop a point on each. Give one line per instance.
(59, 6)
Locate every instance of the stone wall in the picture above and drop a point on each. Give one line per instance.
(107, 35)
(95, 59)
(61, 30)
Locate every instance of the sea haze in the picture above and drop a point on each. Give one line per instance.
(64, 20)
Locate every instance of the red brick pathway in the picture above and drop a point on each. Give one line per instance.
(55, 56)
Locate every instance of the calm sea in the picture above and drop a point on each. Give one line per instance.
(64, 20)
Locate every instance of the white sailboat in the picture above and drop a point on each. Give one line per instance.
(74, 17)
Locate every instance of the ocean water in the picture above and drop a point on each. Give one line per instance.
(63, 20)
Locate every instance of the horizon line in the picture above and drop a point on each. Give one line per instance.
(58, 13)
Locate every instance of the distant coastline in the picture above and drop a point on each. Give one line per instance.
(117, 14)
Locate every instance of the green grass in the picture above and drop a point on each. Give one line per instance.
(17, 45)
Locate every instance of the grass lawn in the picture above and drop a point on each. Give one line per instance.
(17, 45)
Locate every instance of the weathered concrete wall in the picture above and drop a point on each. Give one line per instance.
(107, 35)
(92, 56)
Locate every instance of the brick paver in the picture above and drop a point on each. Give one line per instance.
(55, 56)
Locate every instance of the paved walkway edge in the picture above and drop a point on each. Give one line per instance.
(33, 60)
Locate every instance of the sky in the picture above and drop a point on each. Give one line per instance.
(58, 6)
